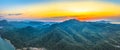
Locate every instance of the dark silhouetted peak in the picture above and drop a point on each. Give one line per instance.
(3, 21)
(72, 21)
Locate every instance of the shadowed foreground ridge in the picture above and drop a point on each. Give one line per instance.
(68, 35)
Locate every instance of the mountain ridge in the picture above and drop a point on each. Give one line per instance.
(68, 35)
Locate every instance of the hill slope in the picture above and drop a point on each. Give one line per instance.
(67, 35)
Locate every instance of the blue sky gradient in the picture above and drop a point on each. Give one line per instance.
(22, 2)
(6, 4)
(11, 3)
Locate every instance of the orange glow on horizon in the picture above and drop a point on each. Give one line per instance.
(80, 10)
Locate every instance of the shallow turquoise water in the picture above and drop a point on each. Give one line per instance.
(4, 45)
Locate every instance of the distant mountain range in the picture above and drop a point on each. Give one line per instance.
(68, 35)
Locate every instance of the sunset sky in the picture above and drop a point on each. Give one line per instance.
(60, 9)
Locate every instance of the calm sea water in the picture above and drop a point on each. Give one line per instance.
(4, 45)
